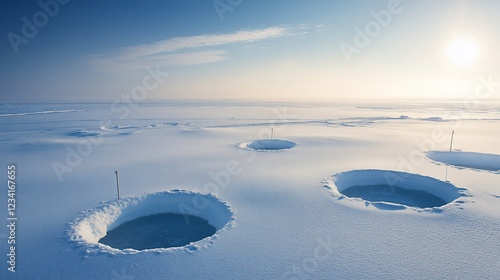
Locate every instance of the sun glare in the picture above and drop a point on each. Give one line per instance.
(463, 52)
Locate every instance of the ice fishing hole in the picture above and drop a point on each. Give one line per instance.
(395, 188)
(488, 162)
(163, 220)
(268, 145)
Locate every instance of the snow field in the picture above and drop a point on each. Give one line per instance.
(286, 224)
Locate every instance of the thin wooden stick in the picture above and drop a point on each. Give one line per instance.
(451, 143)
(117, 185)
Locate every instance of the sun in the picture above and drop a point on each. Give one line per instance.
(463, 52)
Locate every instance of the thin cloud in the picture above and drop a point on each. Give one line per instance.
(191, 58)
(211, 40)
(182, 50)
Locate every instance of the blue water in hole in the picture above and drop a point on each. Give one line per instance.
(394, 194)
(164, 230)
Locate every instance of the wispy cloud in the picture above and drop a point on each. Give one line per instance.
(191, 58)
(211, 40)
(191, 50)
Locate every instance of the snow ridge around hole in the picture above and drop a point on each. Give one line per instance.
(94, 224)
(393, 190)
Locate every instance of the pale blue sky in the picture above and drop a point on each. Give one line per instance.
(273, 50)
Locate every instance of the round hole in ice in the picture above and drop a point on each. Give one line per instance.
(268, 145)
(157, 221)
(392, 189)
(489, 162)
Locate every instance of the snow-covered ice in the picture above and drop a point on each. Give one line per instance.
(274, 217)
